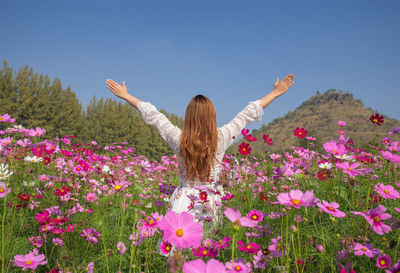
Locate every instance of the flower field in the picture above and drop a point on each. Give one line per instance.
(74, 207)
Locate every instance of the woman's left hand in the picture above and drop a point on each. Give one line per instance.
(280, 87)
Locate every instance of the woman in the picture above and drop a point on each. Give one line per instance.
(200, 145)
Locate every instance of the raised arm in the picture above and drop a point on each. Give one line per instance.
(169, 132)
(122, 92)
(253, 111)
(280, 88)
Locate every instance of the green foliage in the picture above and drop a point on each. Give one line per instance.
(37, 102)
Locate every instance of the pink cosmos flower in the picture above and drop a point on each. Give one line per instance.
(237, 219)
(374, 217)
(90, 267)
(383, 261)
(336, 149)
(30, 261)
(331, 208)
(7, 118)
(3, 189)
(249, 248)
(199, 266)
(386, 191)
(255, 215)
(121, 248)
(366, 250)
(238, 266)
(297, 199)
(342, 123)
(91, 197)
(180, 230)
(349, 169)
(390, 157)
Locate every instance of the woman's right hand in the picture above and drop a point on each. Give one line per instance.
(117, 89)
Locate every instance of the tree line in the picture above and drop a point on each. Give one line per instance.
(36, 101)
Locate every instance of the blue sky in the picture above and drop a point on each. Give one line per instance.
(230, 51)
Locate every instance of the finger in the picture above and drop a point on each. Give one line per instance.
(123, 84)
(277, 81)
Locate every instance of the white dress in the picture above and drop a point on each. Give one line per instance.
(179, 200)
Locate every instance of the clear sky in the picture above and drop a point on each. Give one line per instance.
(231, 51)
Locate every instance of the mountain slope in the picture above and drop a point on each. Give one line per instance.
(319, 116)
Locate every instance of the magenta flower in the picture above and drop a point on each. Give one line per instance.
(30, 261)
(331, 208)
(165, 247)
(249, 248)
(349, 169)
(386, 191)
(366, 250)
(342, 123)
(297, 199)
(180, 230)
(238, 266)
(374, 217)
(198, 266)
(336, 149)
(395, 268)
(237, 219)
(255, 215)
(383, 261)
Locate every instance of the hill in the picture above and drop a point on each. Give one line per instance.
(319, 116)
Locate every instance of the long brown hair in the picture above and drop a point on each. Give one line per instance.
(199, 138)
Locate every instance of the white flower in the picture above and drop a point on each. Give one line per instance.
(128, 170)
(4, 172)
(149, 205)
(105, 169)
(325, 165)
(345, 157)
(29, 183)
(33, 159)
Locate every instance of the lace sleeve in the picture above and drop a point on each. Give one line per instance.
(253, 111)
(169, 132)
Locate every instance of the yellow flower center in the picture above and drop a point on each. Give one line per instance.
(299, 133)
(363, 249)
(376, 219)
(254, 217)
(117, 187)
(334, 151)
(386, 191)
(167, 248)
(28, 262)
(349, 169)
(204, 252)
(179, 232)
(151, 222)
(1, 118)
(331, 209)
(296, 202)
(375, 120)
(382, 262)
(244, 149)
(1, 190)
(237, 268)
(248, 246)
